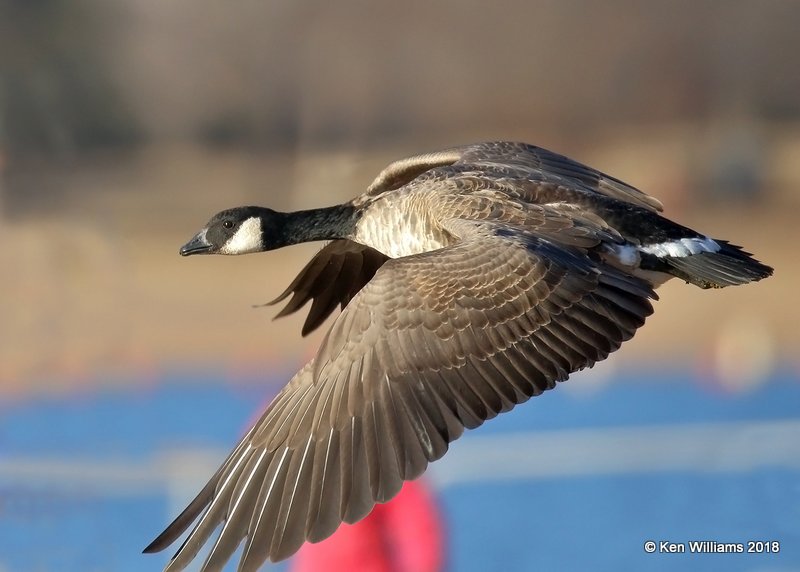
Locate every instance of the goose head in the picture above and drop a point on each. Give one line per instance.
(240, 230)
(255, 229)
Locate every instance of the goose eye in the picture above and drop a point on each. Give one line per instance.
(228, 224)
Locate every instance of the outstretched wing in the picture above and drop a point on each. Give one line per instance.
(433, 344)
(544, 164)
(330, 279)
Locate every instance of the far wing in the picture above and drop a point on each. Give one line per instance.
(545, 164)
(406, 170)
(331, 278)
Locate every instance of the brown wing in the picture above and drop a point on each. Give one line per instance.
(544, 164)
(330, 279)
(435, 343)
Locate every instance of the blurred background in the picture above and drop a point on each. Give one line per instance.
(127, 373)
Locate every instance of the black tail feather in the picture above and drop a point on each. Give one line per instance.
(730, 266)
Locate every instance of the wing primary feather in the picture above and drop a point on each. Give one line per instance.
(393, 417)
(289, 533)
(517, 379)
(184, 519)
(277, 433)
(495, 379)
(263, 521)
(323, 515)
(470, 377)
(235, 528)
(372, 450)
(208, 521)
(384, 475)
(201, 501)
(359, 499)
(469, 409)
(567, 334)
(565, 358)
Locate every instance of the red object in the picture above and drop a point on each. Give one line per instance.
(403, 535)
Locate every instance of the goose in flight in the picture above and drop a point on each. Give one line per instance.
(469, 280)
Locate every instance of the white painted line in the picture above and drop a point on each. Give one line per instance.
(717, 447)
(713, 447)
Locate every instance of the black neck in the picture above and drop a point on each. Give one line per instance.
(315, 224)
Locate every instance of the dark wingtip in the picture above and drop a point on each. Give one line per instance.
(184, 519)
(152, 548)
(159, 544)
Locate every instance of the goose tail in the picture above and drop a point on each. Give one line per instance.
(729, 265)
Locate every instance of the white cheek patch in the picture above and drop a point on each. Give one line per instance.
(681, 247)
(246, 239)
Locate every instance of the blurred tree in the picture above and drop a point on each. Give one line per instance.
(56, 96)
